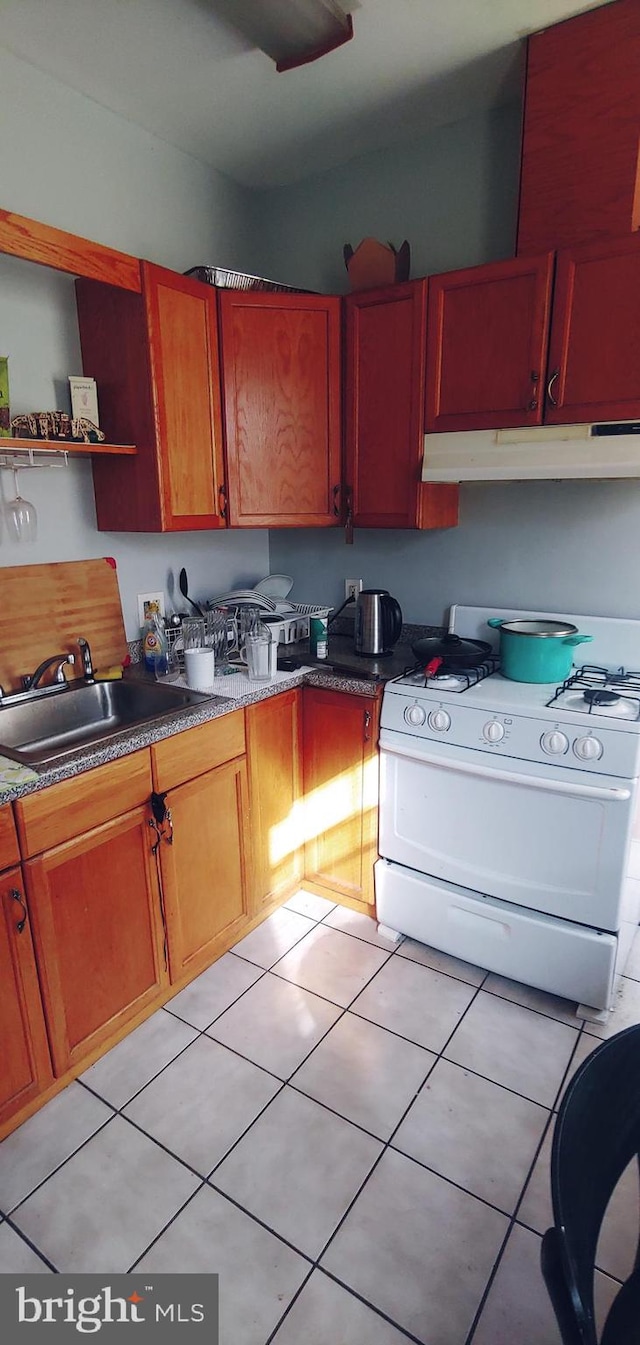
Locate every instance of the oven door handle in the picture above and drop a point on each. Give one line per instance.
(513, 777)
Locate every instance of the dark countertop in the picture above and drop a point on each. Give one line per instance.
(343, 661)
(365, 678)
(343, 670)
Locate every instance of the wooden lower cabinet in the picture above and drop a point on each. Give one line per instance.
(25, 1065)
(340, 768)
(206, 869)
(98, 933)
(103, 929)
(273, 751)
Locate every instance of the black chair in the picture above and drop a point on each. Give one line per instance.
(596, 1136)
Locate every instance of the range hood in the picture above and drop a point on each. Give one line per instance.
(543, 452)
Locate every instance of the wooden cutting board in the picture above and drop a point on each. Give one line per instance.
(46, 607)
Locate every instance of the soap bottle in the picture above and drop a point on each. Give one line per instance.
(155, 646)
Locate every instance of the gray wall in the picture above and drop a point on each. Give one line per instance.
(452, 193)
(565, 546)
(71, 163)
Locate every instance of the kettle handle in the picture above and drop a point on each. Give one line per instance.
(393, 611)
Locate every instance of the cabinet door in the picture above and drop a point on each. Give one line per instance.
(385, 338)
(9, 852)
(25, 1065)
(97, 926)
(594, 369)
(340, 764)
(579, 177)
(487, 330)
(155, 358)
(205, 870)
(281, 386)
(274, 791)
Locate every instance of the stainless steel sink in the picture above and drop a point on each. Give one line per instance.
(41, 731)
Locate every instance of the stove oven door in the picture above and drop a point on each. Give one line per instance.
(554, 840)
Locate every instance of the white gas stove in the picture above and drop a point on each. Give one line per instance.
(507, 811)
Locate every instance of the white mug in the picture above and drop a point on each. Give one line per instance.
(199, 668)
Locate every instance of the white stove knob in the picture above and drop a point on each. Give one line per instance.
(439, 720)
(588, 749)
(415, 715)
(493, 732)
(554, 743)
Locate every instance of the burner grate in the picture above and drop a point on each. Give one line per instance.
(591, 679)
(468, 677)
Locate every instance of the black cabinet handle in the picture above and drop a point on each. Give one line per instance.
(17, 896)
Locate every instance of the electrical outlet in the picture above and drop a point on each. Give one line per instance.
(352, 587)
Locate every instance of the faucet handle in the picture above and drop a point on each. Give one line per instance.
(68, 661)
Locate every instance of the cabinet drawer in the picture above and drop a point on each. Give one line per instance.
(195, 751)
(9, 852)
(75, 806)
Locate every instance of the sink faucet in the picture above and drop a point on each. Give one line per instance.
(87, 663)
(31, 682)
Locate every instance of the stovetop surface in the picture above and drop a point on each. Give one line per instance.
(615, 642)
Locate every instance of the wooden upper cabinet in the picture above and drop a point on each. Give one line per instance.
(385, 342)
(281, 382)
(594, 351)
(487, 330)
(155, 359)
(579, 177)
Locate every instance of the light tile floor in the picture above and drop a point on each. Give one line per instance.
(355, 1135)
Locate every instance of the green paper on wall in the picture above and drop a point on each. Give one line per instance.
(5, 414)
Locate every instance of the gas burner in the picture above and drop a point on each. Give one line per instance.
(449, 677)
(598, 691)
(594, 696)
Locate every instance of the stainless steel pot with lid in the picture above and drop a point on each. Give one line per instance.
(556, 629)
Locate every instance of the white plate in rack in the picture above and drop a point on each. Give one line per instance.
(276, 586)
(244, 597)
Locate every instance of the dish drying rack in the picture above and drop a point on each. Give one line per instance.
(287, 627)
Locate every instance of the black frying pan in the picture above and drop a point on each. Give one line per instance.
(453, 650)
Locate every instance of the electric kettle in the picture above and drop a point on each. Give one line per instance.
(378, 622)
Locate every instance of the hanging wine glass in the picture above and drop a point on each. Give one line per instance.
(21, 516)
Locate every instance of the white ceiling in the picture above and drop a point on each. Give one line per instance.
(173, 68)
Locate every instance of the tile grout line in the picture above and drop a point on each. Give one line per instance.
(61, 1165)
(23, 1236)
(208, 1180)
(368, 1177)
(344, 1009)
(168, 1224)
(389, 1145)
(513, 1219)
(119, 1111)
(408, 1335)
(386, 1144)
